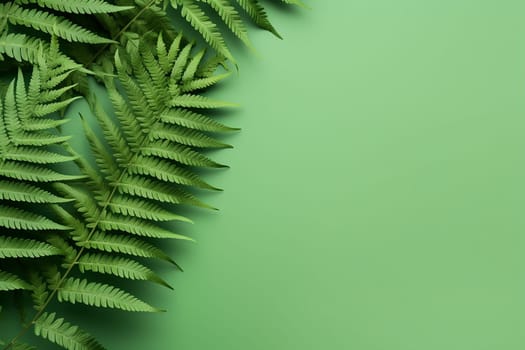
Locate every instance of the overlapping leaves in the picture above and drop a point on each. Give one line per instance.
(74, 226)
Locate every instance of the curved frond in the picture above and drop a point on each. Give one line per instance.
(101, 295)
(24, 192)
(118, 266)
(191, 120)
(138, 227)
(49, 23)
(140, 208)
(125, 245)
(258, 14)
(19, 219)
(81, 7)
(21, 47)
(12, 247)
(9, 281)
(202, 23)
(198, 101)
(231, 17)
(62, 333)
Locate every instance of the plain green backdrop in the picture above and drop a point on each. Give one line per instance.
(376, 194)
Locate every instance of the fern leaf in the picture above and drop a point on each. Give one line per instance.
(147, 188)
(22, 220)
(192, 120)
(80, 7)
(37, 155)
(125, 245)
(52, 95)
(12, 247)
(9, 281)
(173, 51)
(50, 24)
(27, 172)
(38, 124)
(25, 48)
(40, 139)
(118, 266)
(167, 171)
(48, 108)
(159, 191)
(197, 101)
(231, 17)
(139, 208)
(21, 47)
(179, 66)
(39, 290)
(23, 192)
(179, 153)
(62, 333)
(162, 54)
(203, 83)
(210, 66)
(138, 227)
(200, 21)
(186, 137)
(258, 14)
(100, 295)
(67, 250)
(191, 68)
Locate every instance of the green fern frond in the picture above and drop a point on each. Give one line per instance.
(49, 23)
(126, 245)
(186, 137)
(13, 247)
(138, 227)
(197, 101)
(39, 290)
(231, 17)
(23, 152)
(62, 333)
(27, 172)
(167, 171)
(21, 47)
(151, 189)
(179, 153)
(202, 23)
(192, 120)
(96, 294)
(203, 83)
(10, 281)
(28, 193)
(143, 209)
(254, 9)
(118, 266)
(80, 7)
(38, 156)
(18, 219)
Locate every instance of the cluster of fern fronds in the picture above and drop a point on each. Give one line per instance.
(75, 225)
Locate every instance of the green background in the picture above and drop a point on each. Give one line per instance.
(376, 192)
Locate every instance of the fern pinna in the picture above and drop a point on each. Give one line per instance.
(76, 225)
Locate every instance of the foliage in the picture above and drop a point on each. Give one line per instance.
(74, 227)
